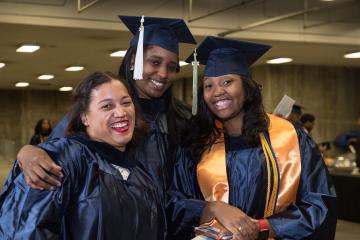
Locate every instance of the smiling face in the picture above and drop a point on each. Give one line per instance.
(110, 116)
(160, 67)
(225, 96)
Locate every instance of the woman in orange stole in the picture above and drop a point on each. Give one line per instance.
(245, 171)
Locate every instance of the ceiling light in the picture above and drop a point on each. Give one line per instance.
(182, 63)
(22, 84)
(2, 65)
(120, 53)
(65, 89)
(46, 77)
(74, 68)
(279, 60)
(352, 55)
(28, 48)
(327, 0)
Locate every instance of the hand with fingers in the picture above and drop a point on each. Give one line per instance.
(237, 222)
(38, 168)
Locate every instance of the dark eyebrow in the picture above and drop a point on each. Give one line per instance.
(160, 58)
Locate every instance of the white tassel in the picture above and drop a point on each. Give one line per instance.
(139, 58)
(195, 65)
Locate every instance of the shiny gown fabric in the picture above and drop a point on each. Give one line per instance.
(311, 216)
(98, 199)
(157, 153)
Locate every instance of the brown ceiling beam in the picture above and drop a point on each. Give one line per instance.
(242, 3)
(278, 18)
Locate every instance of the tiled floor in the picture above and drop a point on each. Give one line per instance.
(345, 230)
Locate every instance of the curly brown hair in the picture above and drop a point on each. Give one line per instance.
(80, 101)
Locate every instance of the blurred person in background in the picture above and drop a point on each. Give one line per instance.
(41, 132)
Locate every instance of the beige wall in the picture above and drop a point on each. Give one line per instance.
(332, 94)
(20, 110)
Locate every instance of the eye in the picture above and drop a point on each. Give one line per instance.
(227, 82)
(106, 106)
(207, 86)
(127, 103)
(155, 62)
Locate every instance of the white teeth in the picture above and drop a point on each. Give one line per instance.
(222, 104)
(158, 84)
(119, 125)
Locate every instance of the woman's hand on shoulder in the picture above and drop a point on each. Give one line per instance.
(233, 219)
(37, 167)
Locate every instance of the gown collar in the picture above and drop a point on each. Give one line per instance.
(235, 143)
(108, 152)
(155, 105)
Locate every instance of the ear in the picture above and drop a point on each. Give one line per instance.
(84, 119)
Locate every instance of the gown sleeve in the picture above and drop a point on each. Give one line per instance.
(314, 214)
(59, 130)
(183, 209)
(27, 213)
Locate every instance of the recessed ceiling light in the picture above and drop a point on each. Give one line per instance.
(74, 68)
(327, 0)
(120, 53)
(183, 63)
(28, 48)
(352, 55)
(21, 84)
(279, 60)
(2, 65)
(46, 77)
(65, 89)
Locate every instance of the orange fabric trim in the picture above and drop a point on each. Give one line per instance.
(212, 175)
(285, 144)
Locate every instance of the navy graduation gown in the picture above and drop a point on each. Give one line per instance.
(104, 195)
(156, 154)
(312, 216)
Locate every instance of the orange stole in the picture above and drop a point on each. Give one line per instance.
(212, 176)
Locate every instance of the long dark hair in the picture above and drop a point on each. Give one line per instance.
(38, 128)
(205, 132)
(177, 114)
(80, 101)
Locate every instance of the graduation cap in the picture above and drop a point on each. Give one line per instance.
(224, 56)
(227, 56)
(163, 32)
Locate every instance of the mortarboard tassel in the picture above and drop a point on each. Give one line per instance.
(139, 58)
(195, 65)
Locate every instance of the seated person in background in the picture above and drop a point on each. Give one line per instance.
(41, 132)
(105, 193)
(308, 121)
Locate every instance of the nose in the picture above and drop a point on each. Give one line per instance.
(163, 72)
(119, 112)
(218, 91)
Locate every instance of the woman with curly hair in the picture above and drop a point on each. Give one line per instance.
(251, 175)
(151, 90)
(106, 193)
